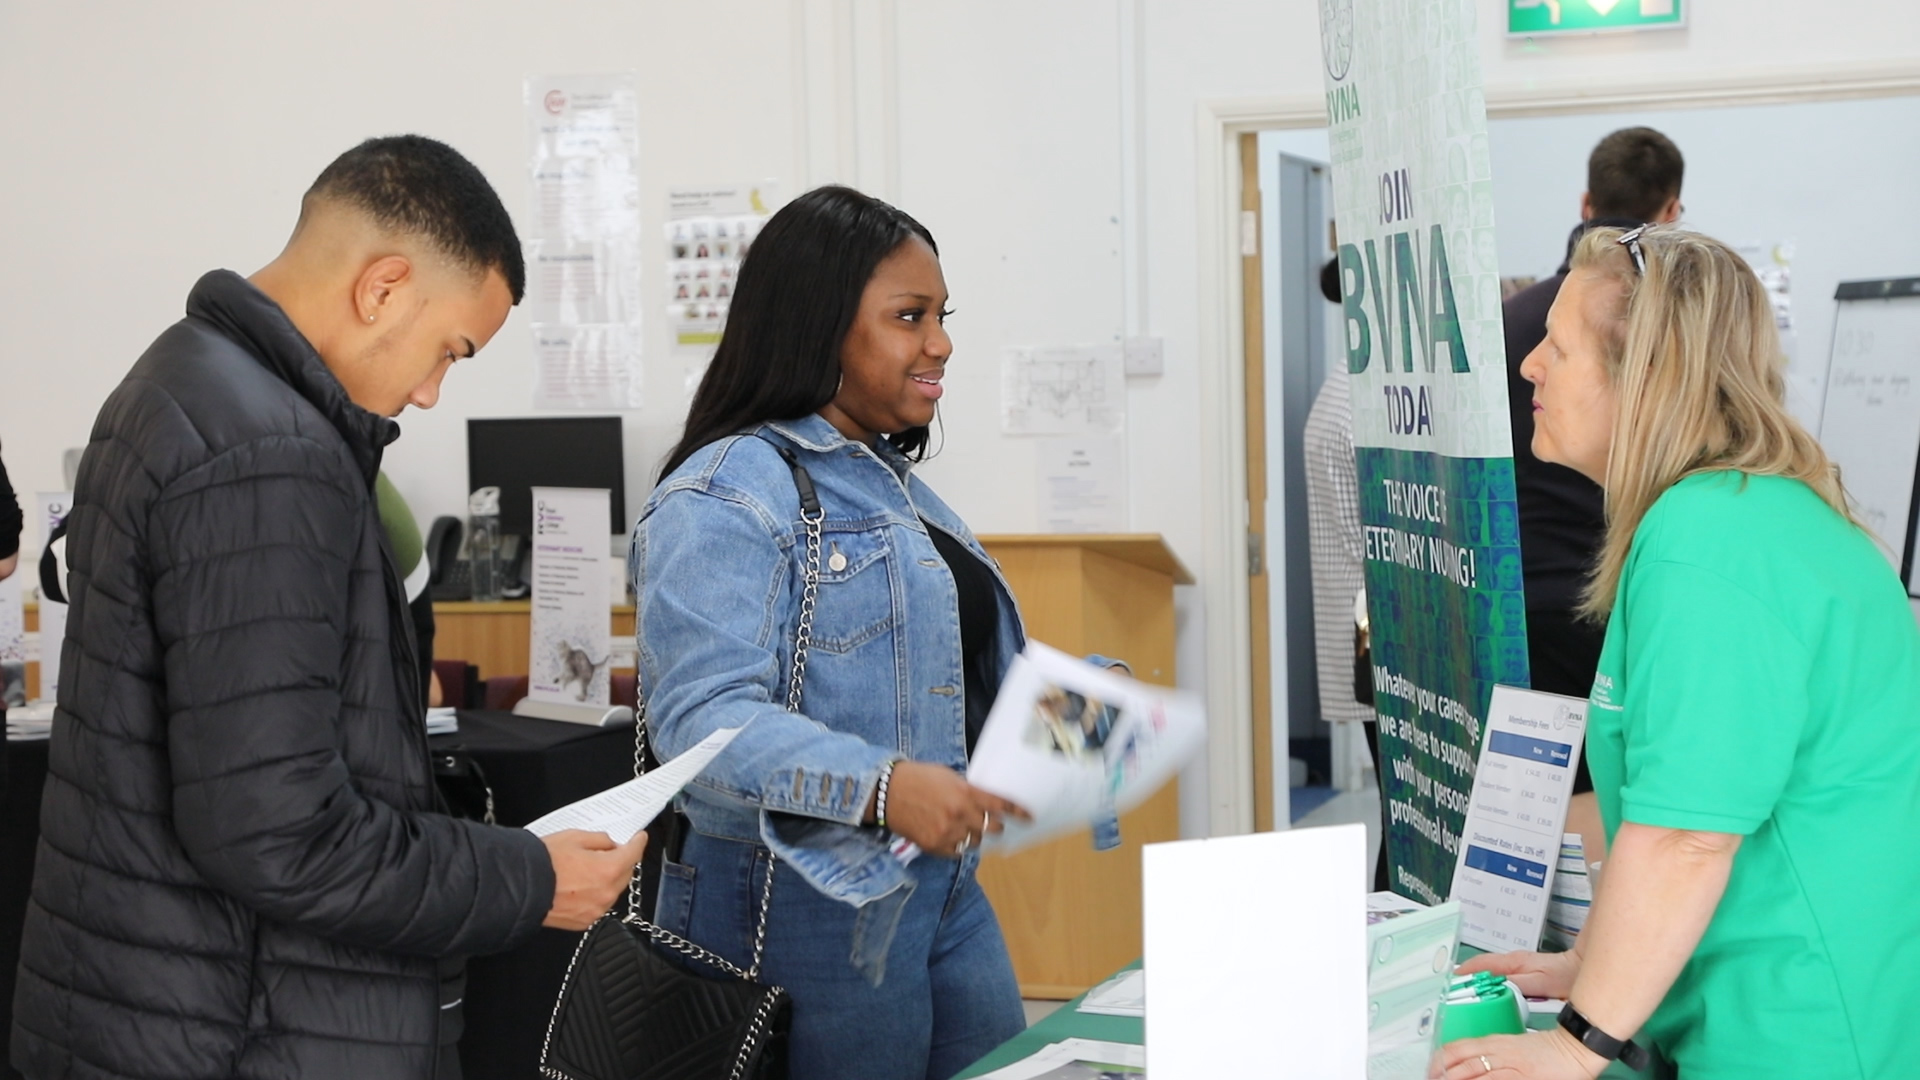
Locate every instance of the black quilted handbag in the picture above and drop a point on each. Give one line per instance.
(626, 1010)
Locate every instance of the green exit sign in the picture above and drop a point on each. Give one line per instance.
(1533, 17)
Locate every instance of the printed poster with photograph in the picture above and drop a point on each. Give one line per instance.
(1074, 744)
(709, 230)
(571, 637)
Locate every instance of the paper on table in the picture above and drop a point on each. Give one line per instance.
(442, 721)
(1409, 960)
(1052, 1059)
(1123, 995)
(624, 810)
(1067, 741)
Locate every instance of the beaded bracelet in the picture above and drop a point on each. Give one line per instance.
(880, 798)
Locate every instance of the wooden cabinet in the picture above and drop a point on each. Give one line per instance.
(1071, 915)
(497, 637)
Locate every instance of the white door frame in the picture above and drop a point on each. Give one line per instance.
(1223, 489)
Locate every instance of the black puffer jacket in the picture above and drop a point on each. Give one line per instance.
(240, 872)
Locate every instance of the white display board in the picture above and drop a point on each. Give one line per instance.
(1870, 424)
(1503, 878)
(572, 597)
(1257, 951)
(52, 507)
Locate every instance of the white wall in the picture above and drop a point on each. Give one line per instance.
(1051, 146)
(149, 143)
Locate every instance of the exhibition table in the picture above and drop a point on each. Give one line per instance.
(1067, 1022)
(533, 766)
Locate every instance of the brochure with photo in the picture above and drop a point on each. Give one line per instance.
(1074, 743)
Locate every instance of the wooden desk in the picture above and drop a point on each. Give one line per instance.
(31, 610)
(1071, 915)
(498, 637)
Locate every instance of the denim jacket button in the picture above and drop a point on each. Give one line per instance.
(944, 691)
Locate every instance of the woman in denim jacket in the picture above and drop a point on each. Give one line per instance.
(833, 352)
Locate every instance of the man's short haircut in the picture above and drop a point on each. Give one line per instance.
(416, 185)
(1632, 174)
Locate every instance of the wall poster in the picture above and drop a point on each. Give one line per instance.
(583, 255)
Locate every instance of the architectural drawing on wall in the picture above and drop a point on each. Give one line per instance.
(1056, 390)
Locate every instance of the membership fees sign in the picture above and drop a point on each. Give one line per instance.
(1503, 878)
(1413, 199)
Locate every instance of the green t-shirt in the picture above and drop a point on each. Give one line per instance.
(1761, 676)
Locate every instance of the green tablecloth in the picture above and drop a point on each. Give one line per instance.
(1067, 1022)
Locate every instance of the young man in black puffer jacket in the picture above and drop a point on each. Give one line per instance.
(241, 872)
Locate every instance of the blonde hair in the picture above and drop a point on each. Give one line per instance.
(1695, 364)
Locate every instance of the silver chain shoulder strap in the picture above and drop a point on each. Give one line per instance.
(811, 517)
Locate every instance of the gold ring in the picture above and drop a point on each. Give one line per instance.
(1485, 1064)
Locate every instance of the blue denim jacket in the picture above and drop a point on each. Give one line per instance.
(717, 561)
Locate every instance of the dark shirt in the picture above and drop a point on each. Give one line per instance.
(979, 616)
(1562, 513)
(10, 517)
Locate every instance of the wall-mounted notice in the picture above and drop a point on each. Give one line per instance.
(1056, 390)
(583, 261)
(708, 232)
(572, 597)
(1503, 879)
(51, 510)
(1082, 484)
(1413, 195)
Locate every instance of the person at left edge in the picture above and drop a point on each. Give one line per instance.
(835, 351)
(241, 869)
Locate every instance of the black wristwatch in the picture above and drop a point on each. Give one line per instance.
(1600, 1042)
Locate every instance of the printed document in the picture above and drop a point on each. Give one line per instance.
(624, 810)
(1074, 744)
(1503, 876)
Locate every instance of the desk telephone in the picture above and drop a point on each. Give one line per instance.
(450, 574)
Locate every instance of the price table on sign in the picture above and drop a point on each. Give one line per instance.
(1503, 877)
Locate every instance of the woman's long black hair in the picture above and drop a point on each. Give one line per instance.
(797, 295)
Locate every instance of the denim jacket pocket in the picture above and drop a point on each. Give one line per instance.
(673, 907)
(856, 601)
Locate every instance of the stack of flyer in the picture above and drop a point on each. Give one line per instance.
(1572, 895)
(1074, 744)
(27, 722)
(1409, 963)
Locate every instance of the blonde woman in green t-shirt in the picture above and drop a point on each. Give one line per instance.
(1754, 734)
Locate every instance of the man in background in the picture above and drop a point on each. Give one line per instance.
(1336, 550)
(241, 869)
(1633, 178)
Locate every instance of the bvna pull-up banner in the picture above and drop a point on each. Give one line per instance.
(1421, 312)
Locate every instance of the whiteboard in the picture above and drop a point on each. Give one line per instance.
(1870, 423)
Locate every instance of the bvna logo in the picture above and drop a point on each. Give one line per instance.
(1336, 37)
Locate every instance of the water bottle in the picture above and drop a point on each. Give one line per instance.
(483, 543)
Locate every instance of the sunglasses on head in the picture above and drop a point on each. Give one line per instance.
(1631, 241)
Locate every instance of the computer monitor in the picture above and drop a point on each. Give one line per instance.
(519, 454)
